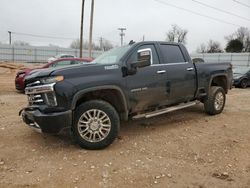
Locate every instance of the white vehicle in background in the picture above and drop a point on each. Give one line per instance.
(59, 56)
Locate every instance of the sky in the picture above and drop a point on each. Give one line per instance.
(149, 18)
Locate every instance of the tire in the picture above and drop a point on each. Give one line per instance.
(215, 102)
(243, 83)
(96, 124)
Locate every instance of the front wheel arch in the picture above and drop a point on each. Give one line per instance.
(111, 94)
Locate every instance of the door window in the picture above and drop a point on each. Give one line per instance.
(133, 56)
(172, 53)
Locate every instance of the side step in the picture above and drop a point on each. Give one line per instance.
(165, 110)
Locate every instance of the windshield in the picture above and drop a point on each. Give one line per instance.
(241, 70)
(113, 56)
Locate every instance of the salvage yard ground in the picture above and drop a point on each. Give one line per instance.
(186, 148)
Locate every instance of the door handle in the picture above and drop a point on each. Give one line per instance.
(161, 71)
(190, 69)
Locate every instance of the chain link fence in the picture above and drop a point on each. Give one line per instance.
(37, 54)
(237, 59)
(41, 54)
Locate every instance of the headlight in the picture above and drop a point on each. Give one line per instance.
(54, 79)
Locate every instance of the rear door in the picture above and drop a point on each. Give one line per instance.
(181, 76)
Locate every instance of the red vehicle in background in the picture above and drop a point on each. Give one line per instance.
(20, 76)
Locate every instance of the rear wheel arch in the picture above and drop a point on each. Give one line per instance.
(219, 80)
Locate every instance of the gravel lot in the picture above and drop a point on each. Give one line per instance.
(185, 148)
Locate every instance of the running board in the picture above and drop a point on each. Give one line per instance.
(165, 110)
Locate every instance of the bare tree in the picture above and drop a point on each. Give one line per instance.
(107, 45)
(54, 45)
(75, 44)
(210, 47)
(243, 35)
(202, 48)
(20, 43)
(177, 33)
(214, 47)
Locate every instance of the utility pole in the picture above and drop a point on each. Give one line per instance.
(91, 28)
(122, 34)
(81, 32)
(9, 37)
(101, 43)
(143, 38)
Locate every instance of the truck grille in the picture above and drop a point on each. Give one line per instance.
(35, 99)
(41, 94)
(36, 83)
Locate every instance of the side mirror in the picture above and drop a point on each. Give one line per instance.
(144, 57)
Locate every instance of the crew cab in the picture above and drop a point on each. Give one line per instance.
(136, 81)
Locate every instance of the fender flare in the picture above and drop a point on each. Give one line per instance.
(80, 94)
(216, 75)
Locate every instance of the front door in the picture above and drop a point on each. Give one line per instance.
(147, 86)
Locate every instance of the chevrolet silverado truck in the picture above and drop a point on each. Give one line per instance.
(140, 80)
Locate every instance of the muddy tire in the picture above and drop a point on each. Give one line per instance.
(215, 102)
(96, 124)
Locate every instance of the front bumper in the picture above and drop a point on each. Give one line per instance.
(52, 123)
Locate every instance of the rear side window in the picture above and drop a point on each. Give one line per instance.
(172, 53)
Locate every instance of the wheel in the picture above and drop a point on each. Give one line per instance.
(96, 124)
(215, 102)
(243, 83)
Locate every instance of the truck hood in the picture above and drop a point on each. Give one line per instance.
(68, 71)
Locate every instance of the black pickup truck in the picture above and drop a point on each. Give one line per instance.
(140, 80)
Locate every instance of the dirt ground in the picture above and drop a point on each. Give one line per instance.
(185, 148)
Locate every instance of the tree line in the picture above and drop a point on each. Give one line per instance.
(104, 45)
(239, 41)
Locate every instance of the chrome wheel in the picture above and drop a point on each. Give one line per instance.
(219, 101)
(94, 125)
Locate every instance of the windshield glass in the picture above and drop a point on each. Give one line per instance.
(241, 70)
(112, 56)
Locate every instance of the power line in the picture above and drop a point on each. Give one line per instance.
(53, 37)
(243, 4)
(220, 10)
(41, 36)
(196, 13)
